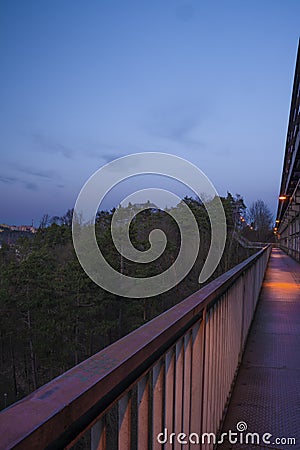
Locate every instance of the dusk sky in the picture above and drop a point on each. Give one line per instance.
(83, 82)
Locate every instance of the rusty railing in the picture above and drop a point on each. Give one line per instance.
(172, 375)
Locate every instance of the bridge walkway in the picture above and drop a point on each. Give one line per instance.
(266, 394)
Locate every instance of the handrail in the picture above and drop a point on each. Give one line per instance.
(55, 415)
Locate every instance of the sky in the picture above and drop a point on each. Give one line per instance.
(85, 82)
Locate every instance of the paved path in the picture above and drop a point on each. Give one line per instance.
(267, 391)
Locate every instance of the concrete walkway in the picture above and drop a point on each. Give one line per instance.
(266, 395)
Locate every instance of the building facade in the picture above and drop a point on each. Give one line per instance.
(287, 226)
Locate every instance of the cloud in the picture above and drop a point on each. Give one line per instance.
(40, 173)
(7, 180)
(100, 150)
(15, 180)
(30, 186)
(110, 157)
(90, 150)
(30, 175)
(176, 124)
(51, 145)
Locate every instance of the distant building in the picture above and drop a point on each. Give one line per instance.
(24, 228)
(287, 227)
(28, 228)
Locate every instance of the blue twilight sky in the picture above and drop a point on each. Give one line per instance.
(83, 82)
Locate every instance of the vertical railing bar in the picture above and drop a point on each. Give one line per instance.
(157, 402)
(213, 371)
(169, 394)
(241, 330)
(227, 346)
(224, 343)
(178, 408)
(219, 369)
(214, 365)
(223, 337)
(210, 372)
(143, 413)
(204, 373)
(221, 363)
(230, 344)
(187, 384)
(98, 435)
(197, 376)
(216, 357)
(210, 380)
(124, 422)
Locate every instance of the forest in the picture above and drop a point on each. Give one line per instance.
(54, 316)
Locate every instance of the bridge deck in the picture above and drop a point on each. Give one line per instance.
(267, 391)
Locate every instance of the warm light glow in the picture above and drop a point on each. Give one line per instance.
(275, 228)
(282, 286)
(282, 197)
(277, 221)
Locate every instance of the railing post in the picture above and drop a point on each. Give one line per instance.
(178, 410)
(98, 435)
(169, 394)
(124, 422)
(242, 317)
(203, 371)
(197, 377)
(143, 413)
(157, 403)
(187, 346)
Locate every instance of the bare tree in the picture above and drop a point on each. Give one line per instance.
(261, 219)
(45, 221)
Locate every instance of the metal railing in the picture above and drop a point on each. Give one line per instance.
(172, 375)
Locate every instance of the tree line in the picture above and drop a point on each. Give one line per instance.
(54, 316)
